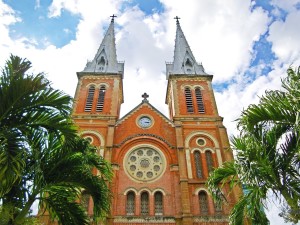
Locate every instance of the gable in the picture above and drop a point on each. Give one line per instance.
(144, 121)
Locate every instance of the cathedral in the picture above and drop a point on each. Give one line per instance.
(160, 163)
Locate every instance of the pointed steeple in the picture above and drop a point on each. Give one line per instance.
(184, 60)
(105, 60)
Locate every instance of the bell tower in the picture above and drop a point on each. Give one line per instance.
(99, 92)
(201, 138)
(99, 95)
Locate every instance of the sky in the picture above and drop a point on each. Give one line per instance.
(247, 45)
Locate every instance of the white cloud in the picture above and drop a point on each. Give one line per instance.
(288, 6)
(220, 33)
(284, 36)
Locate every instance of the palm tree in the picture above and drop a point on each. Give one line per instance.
(41, 156)
(266, 156)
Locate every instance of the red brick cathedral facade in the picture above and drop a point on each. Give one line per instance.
(160, 164)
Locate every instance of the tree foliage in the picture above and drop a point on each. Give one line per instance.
(41, 156)
(266, 156)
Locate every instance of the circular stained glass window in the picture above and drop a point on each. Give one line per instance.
(144, 164)
(200, 141)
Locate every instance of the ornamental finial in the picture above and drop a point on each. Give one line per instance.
(113, 18)
(177, 19)
(145, 96)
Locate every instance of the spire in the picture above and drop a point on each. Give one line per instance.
(105, 60)
(184, 60)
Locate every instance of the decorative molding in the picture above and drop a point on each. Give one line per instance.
(97, 134)
(146, 219)
(144, 135)
(201, 189)
(200, 133)
(174, 167)
(130, 189)
(115, 166)
(210, 218)
(145, 163)
(191, 86)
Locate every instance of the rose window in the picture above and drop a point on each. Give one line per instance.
(144, 164)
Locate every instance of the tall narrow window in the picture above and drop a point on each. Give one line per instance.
(100, 103)
(158, 198)
(144, 204)
(188, 100)
(203, 203)
(199, 99)
(89, 100)
(85, 198)
(198, 164)
(130, 203)
(218, 207)
(209, 161)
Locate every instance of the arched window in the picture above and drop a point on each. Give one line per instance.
(209, 161)
(203, 203)
(198, 164)
(100, 103)
(158, 201)
(188, 100)
(218, 207)
(145, 203)
(130, 203)
(199, 99)
(89, 100)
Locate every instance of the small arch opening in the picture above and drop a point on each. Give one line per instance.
(198, 164)
(144, 204)
(90, 99)
(101, 97)
(130, 203)
(188, 100)
(203, 203)
(158, 201)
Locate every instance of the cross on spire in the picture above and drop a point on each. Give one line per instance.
(113, 18)
(177, 19)
(145, 96)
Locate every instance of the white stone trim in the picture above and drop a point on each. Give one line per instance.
(99, 135)
(196, 192)
(188, 163)
(144, 190)
(130, 189)
(191, 135)
(158, 190)
(163, 163)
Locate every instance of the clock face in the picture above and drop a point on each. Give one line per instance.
(145, 122)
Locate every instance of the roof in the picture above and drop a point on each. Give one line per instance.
(184, 60)
(105, 60)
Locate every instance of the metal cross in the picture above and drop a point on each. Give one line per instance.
(145, 96)
(177, 19)
(113, 18)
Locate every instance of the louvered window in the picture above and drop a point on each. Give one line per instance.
(100, 103)
(199, 99)
(189, 100)
(198, 164)
(158, 198)
(144, 204)
(209, 161)
(89, 100)
(203, 202)
(130, 203)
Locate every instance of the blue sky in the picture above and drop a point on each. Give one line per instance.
(247, 45)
